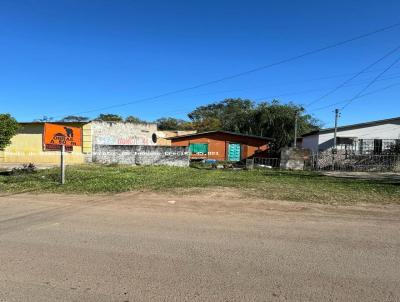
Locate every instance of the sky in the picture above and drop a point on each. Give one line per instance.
(59, 58)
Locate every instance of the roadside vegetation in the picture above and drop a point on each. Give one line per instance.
(268, 184)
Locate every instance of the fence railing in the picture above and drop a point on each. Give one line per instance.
(266, 162)
(354, 162)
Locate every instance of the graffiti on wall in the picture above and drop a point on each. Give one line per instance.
(118, 140)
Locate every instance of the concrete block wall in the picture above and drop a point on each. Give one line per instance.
(122, 133)
(294, 158)
(141, 155)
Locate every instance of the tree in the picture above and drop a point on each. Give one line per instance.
(45, 119)
(272, 119)
(277, 121)
(8, 128)
(170, 123)
(230, 115)
(109, 117)
(74, 118)
(135, 120)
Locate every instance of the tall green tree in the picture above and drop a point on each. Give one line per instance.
(230, 115)
(109, 117)
(170, 123)
(277, 120)
(272, 119)
(8, 128)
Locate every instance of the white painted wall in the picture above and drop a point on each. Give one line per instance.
(325, 140)
(122, 133)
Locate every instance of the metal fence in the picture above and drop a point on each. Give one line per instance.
(355, 162)
(368, 146)
(266, 162)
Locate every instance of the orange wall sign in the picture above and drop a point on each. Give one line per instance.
(62, 135)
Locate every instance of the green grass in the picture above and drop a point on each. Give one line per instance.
(268, 184)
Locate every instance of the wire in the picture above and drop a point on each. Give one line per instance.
(320, 89)
(183, 110)
(353, 77)
(287, 83)
(370, 84)
(361, 96)
(308, 53)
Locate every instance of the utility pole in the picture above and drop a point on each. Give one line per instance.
(295, 128)
(335, 133)
(334, 150)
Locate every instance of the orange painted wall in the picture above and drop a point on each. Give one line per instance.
(218, 145)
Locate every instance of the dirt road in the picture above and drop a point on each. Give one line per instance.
(203, 247)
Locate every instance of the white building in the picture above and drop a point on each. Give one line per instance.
(369, 137)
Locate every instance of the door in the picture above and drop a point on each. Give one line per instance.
(234, 152)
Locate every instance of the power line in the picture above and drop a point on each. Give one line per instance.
(371, 83)
(361, 96)
(287, 83)
(354, 76)
(319, 89)
(183, 110)
(308, 53)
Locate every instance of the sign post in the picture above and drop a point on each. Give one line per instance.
(62, 164)
(58, 137)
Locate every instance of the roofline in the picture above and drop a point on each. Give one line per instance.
(354, 126)
(58, 122)
(221, 131)
(80, 122)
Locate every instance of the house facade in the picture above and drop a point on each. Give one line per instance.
(365, 138)
(221, 145)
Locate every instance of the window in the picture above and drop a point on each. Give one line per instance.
(377, 146)
(198, 149)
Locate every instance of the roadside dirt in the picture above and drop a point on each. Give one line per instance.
(208, 245)
(216, 201)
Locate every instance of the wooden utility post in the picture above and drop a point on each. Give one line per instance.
(334, 150)
(296, 115)
(335, 133)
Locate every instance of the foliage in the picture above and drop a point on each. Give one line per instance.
(170, 123)
(135, 120)
(26, 168)
(45, 119)
(267, 184)
(109, 117)
(230, 114)
(74, 118)
(273, 119)
(8, 128)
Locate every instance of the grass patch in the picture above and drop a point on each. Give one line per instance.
(269, 184)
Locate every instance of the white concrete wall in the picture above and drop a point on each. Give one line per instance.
(325, 140)
(122, 133)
